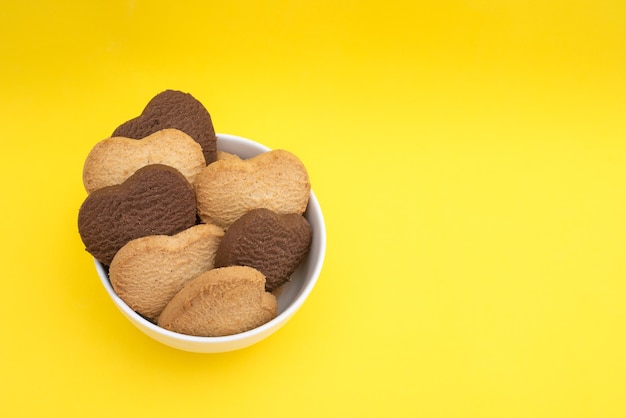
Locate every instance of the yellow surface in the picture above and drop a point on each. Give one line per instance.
(470, 158)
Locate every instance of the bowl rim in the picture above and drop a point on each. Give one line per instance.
(255, 333)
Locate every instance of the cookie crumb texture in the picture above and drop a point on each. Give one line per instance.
(223, 301)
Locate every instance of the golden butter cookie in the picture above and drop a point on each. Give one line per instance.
(222, 301)
(147, 272)
(113, 160)
(228, 188)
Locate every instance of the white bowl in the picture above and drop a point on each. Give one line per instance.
(291, 296)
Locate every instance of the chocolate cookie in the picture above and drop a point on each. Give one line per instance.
(177, 110)
(155, 200)
(275, 244)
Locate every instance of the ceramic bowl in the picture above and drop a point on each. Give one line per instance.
(290, 298)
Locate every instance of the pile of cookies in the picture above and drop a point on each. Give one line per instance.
(196, 240)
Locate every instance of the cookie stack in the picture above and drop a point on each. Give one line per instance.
(197, 241)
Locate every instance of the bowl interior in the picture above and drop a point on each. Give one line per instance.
(290, 296)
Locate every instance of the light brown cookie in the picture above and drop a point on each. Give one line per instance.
(223, 155)
(228, 188)
(147, 272)
(220, 302)
(113, 160)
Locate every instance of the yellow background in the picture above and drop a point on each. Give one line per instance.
(470, 158)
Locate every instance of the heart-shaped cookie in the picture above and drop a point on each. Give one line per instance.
(178, 110)
(228, 188)
(222, 301)
(275, 244)
(155, 200)
(113, 160)
(147, 272)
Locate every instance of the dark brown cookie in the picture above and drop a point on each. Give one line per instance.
(155, 200)
(275, 244)
(177, 110)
